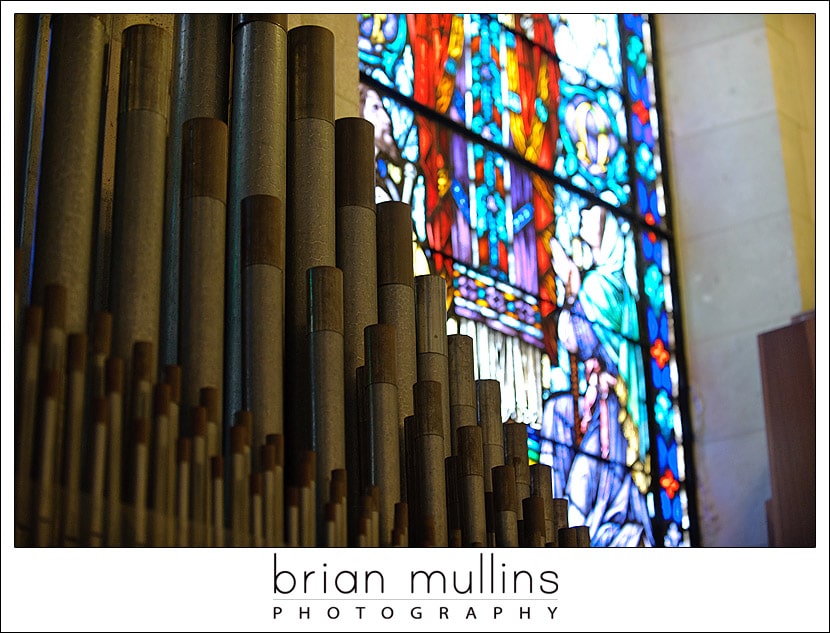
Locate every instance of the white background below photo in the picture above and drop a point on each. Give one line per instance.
(383, 589)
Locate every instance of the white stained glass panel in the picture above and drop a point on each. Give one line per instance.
(515, 364)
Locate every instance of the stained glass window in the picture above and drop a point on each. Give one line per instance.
(528, 146)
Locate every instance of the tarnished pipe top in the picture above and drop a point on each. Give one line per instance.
(354, 163)
(394, 238)
(431, 314)
(262, 228)
(504, 489)
(429, 411)
(470, 453)
(205, 159)
(241, 19)
(146, 63)
(325, 299)
(380, 351)
(310, 73)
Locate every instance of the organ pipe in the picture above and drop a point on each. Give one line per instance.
(268, 370)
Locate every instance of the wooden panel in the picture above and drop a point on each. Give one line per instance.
(788, 374)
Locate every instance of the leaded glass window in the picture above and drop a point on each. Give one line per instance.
(528, 146)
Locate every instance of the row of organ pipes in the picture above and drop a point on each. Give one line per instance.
(265, 368)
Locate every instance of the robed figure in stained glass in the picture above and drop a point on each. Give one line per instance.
(598, 324)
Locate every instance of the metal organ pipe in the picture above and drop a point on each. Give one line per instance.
(269, 370)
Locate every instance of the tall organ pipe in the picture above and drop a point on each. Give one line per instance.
(257, 146)
(462, 390)
(384, 436)
(325, 342)
(431, 342)
(396, 305)
(428, 449)
(356, 237)
(203, 217)
(310, 211)
(25, 50)
(198, 88)
(263, 292)
(138, 196)
(67, 192)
